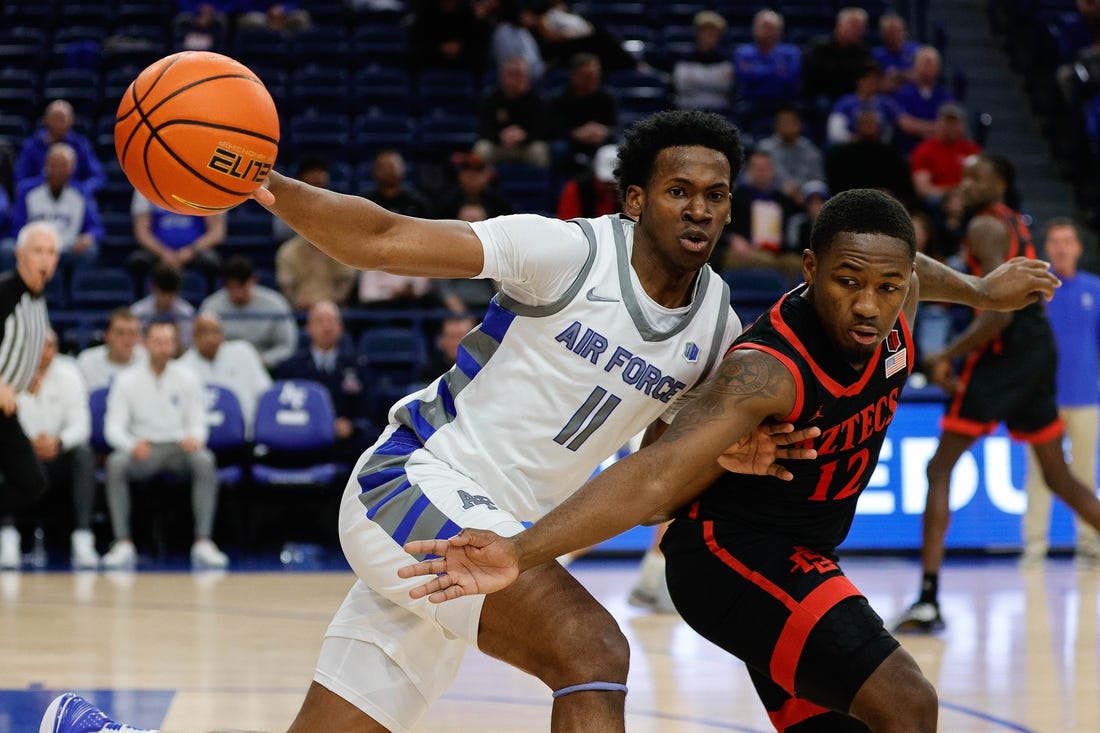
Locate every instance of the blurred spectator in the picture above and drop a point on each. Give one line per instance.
(584, 116)
(56, 198)
(1078, 29)
(933, 324)
(813, 195)
(704, 78)
(868, 162)
(759, 213)
(54, 415)
(451, 332)
(253, 313)
(562, 33)
(307, 275)
(284, 17)
(449, 34)
(513, 38)
(897, 54)
(796, 159)
(1079, 77)
(177, 240)
(951, 221)
(594, 192)
(937, 163)
(120, 349)
(834, 63)
(156, 424)
(474, 179)
(163, 303)
(314, 170)
(842, 118)
(919, 100)
(380, 290)
(201, 26)
(465, 295)
(390, 191)
(768, 72)
(235, 365)
(57, 127)
(511, 119)
(330, 360)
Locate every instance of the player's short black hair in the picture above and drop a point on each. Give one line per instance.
(862, 211)
(645, 139)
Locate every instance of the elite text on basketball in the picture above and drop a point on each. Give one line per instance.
(238, 165)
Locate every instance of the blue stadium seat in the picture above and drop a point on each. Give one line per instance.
(445, 133)
(143, 12)
(321, 90)
(226, 436)
(97, 405)
(374, 131)
(380, 44)
(261, 47)
(384, 88)
(446, 91)
(394, 355)
(756, 286)
(25, 56)
(326, 134)
(101, 288)
(195, 287)
(294, 417)
(89, 13)
(322, 46)
(527, 187)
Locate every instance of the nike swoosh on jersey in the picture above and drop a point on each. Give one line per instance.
(591, 295)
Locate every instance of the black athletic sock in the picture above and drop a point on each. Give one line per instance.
(929, 588)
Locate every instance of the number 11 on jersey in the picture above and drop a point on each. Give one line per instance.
(595, 411)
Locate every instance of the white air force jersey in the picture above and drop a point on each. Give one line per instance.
(541, 394)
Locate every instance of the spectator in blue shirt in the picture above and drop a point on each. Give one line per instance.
(842, 118)
(767, 71)
(897, 53)
(920, 100)
(57, 127)
(177, 240)
(1074, 315)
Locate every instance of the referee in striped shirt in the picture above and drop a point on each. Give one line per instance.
(23, 326)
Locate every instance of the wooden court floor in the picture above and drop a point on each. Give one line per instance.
(199, 652)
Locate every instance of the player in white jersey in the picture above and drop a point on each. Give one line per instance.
(601, 328)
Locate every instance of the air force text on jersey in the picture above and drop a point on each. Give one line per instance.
(634, 370)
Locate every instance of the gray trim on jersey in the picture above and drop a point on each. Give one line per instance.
(481, 348)
(535, 311)
(716, 339)
(630, 298)
(390, 516)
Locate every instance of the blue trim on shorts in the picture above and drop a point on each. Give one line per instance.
(382, 502)
(401, 534)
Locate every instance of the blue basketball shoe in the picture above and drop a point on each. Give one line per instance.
(71, 713)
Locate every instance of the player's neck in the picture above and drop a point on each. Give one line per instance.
(665, 284)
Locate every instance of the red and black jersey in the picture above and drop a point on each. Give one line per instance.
(852, 409)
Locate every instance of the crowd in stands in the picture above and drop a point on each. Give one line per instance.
(464, 109)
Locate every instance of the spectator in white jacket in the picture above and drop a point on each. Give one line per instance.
(120, 349)
(156, 423)
(54, 415)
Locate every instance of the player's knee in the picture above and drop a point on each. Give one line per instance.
(912, 708)
(593, 650)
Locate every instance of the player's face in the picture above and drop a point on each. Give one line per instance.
(979, 186)
(1063, 248)
(685, 205)
(858, 288)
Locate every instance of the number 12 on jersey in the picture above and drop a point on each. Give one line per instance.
(587, 419)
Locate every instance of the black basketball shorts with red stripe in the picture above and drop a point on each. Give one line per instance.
(809, 638)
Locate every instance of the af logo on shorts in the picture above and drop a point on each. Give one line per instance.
(469, 501)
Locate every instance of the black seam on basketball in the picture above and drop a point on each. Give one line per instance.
(149, 175)
(137, 104)
(216, 126)
(183, 164)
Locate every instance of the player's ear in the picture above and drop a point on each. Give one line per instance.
(634, 201)
(809, 266)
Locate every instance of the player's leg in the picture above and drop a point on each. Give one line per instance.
(548, 625)
(651, 589)
(924, 614)
(1083, 428)
(790, 714)
(1035, 525)
(897, 698)
(1082, 499)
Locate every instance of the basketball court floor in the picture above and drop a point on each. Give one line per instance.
(235, 651)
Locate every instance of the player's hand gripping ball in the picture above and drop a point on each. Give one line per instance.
(196, 133)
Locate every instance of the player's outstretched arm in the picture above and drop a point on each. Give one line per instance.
(1010, 286)
(749, 388)
(362, 234)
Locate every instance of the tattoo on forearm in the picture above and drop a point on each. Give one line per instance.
(739, 379)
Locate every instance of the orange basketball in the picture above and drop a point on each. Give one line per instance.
(196, 133)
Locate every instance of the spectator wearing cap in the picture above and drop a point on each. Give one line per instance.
(795, 158)
(768, 71)
(813, 195)
(391, 191)
(594, 192)
(704, 78)
(759, 212)
(510, 119)
(919, 100)
(475, 178)
(842, 118)
(937, 163)
(164, 304)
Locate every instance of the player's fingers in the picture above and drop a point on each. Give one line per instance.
(779, 472)
(796, 436)
(427, 547)
(427, 567)
(796, 454)
(455, 591)
(263, 196)
(435, 585)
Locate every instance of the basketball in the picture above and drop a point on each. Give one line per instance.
(196, 133)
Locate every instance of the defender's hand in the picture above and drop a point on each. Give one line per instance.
(1017, 283)
(758, 451)
(473, 561)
